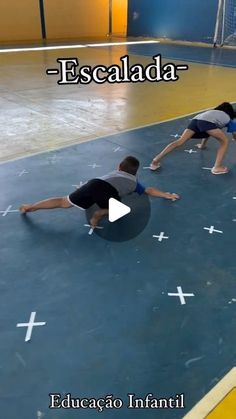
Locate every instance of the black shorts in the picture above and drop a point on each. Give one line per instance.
(96, 191)
(200, 127)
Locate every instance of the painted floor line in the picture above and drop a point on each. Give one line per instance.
(214, 397)
(210, 63)
(77, 142)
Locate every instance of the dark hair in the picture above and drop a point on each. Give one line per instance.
(130, 165)
(227, 108)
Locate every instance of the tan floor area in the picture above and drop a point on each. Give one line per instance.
(37, 114)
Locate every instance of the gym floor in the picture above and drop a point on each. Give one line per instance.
(111, 325)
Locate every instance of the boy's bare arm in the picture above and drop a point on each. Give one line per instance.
(234, 135)
(159, 194)
(101, 213)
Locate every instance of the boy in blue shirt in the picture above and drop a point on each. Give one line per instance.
(204, 125)
(115, 185)
(231, 128)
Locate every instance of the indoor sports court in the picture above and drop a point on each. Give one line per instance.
(131, 318)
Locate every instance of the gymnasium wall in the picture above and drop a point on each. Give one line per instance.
(19, 20)
(76, 18)
(190, 20)
(119, 17)
(64, 19)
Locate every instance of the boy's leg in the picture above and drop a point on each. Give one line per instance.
(61, 202)
(187, 134)
(220, 136)
(97, 216)
(202, 145)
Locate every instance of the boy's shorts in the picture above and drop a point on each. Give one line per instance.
(96, 191)
(200, 127)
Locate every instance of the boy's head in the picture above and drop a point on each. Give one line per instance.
(227, 108)
(129, 165)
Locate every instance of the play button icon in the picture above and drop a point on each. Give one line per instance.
(117, 210)
(126, 219)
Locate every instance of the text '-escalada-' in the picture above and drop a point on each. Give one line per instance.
(72, 73)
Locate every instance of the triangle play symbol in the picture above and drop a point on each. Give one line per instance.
(117, 210)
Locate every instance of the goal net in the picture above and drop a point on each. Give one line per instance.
(225, 29)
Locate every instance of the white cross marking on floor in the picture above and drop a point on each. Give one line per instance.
(4, 213)
(181, 295)
(212, 230)
(22, 173)
(190, 151)
(30, 325)
(116, 149)
(234, 197)
(54, 159)
(206, 168)
(146, 167)
(160, 237)
(94, 165)
(92, 228)
(175, 135)
(78, 186)
(234, 219)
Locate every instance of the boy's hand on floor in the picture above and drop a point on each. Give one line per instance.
(172, 196)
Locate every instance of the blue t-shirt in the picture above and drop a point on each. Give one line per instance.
(231, 126)
(140, 189)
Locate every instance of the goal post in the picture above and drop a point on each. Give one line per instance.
(225, 28)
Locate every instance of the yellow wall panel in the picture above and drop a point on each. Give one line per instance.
(76, 18)
(119, 17)
(19, 20)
